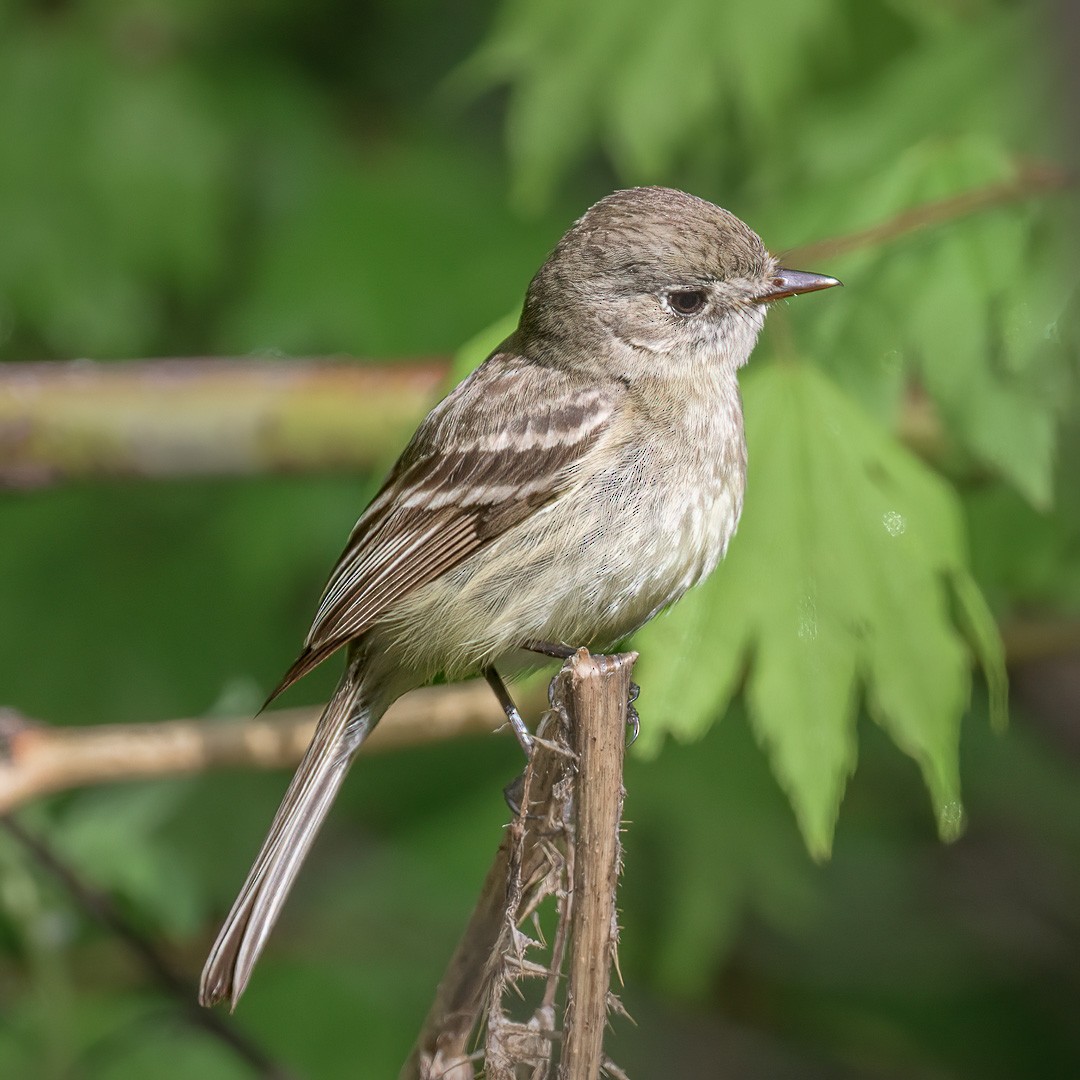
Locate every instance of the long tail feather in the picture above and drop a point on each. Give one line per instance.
(343, 726)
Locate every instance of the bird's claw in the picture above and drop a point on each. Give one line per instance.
(513, 793)
(633, 721)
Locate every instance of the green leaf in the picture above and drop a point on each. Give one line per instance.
(633, 79)
(845, 573)
(977, 620)
(712, 824)
(648, 129)
(556, 58)
(978, 79)
(969, 307)
(953, 293)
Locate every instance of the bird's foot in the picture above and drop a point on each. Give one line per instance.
(513, 793)
(633, 721)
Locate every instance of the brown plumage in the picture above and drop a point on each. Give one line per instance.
(578, 482)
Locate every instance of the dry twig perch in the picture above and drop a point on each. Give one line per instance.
(564, 843)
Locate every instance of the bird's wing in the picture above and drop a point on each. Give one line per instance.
(507, 441)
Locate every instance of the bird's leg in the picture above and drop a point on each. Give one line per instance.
(515, 789)
(512, 715)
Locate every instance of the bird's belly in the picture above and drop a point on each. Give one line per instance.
(643, 557)
(587, 570)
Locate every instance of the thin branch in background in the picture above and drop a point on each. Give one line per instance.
(101, 907)
(37, 759)
(1030, 181)
(200, 416)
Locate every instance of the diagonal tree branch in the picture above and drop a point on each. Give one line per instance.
(1030, 181)
(100, 906)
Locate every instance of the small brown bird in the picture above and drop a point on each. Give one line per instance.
(586, 475)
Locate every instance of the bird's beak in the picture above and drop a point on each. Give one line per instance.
(792, 282)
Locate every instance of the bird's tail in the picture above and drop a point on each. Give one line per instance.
(344, 724)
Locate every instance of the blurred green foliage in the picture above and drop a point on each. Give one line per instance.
(381, 180)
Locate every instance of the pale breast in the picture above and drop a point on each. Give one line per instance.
(649, 521)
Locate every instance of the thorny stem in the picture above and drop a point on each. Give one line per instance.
(563, 843)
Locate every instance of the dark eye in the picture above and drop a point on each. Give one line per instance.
(687, 301)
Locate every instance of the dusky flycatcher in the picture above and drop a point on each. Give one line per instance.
(586, 475)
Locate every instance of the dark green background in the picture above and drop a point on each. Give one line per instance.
(381, 180)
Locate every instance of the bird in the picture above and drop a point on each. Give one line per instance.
(586, 475)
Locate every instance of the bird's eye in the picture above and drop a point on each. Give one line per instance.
(686, 301)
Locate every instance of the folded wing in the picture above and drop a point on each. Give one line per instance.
(509, 440)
